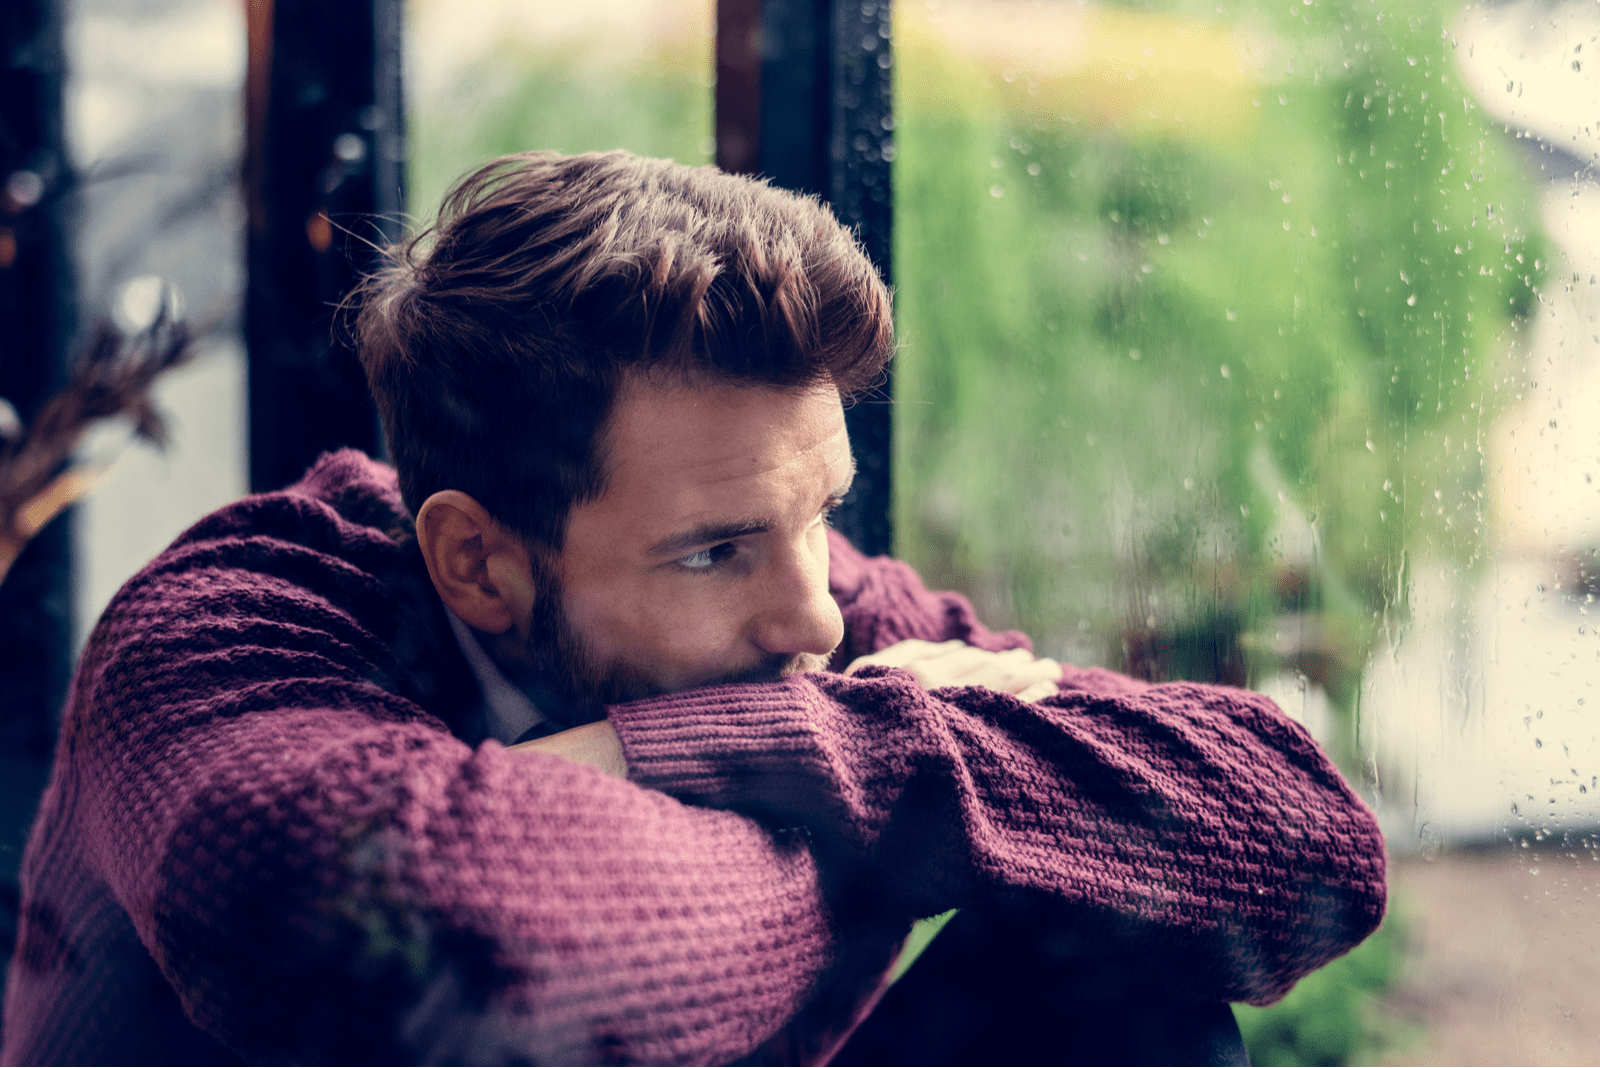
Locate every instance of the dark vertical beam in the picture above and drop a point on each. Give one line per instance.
(795, 64)
(36, 322)
(823, 121)
(860, 151)
(386, 120)
(324, 176)
(738, 92)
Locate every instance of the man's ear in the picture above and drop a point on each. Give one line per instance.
(483, 572)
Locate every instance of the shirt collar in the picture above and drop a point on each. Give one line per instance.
(508, 712)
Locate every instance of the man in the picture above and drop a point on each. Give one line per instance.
(567, 769)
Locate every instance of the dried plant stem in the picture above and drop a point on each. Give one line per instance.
(112, 377)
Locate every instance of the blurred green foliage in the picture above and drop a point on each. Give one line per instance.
(1161, 386)
(576, 97)
(1329, 1017)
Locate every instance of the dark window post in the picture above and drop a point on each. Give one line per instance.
(36, 322)
(808, 83)
(324, 176)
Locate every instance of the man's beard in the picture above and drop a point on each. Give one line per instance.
(571, 685)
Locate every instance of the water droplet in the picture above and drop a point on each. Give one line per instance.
(349, 148)
(1227, 372)
(1232, 315)
(1411, 301)
(997, 190)
(25, 188)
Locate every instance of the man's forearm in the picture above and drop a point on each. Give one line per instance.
(1195, 825)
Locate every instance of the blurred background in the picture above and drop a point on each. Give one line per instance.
(1254, 341)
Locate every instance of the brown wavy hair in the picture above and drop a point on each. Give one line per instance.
(496, 340)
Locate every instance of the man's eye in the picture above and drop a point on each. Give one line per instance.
(706, 559)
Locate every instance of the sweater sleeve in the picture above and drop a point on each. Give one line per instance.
(1194, 829)
(322, 872)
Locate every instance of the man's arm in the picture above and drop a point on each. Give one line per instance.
(320, 870)
(320, 883)
(1193, 829)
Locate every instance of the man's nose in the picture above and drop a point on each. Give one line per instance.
(798, 614)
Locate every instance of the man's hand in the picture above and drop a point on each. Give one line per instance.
(932, 664)
(955, 663)
(594, 744)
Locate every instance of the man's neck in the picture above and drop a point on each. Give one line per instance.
(509, 711)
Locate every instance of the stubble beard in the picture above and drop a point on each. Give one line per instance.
(576, 684)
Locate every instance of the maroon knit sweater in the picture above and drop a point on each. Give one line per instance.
(275, 832)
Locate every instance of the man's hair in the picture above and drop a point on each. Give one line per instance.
(496, 341)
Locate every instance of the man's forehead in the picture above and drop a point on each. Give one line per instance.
(719, 431)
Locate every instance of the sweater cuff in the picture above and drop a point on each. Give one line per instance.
(747, 747)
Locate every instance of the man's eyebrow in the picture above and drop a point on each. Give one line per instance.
(849, 480)
(716, 531)
(707, 534)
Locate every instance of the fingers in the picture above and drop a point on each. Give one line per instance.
(955, 663)
(1038, 691)
(954, 667)
(903, 653)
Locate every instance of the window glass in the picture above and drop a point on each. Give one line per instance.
(1255, 342)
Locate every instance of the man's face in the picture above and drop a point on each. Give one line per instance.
(706, 560)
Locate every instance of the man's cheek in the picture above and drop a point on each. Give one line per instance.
(696, 651)
(664, 633)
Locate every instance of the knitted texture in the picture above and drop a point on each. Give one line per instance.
(275, 830)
